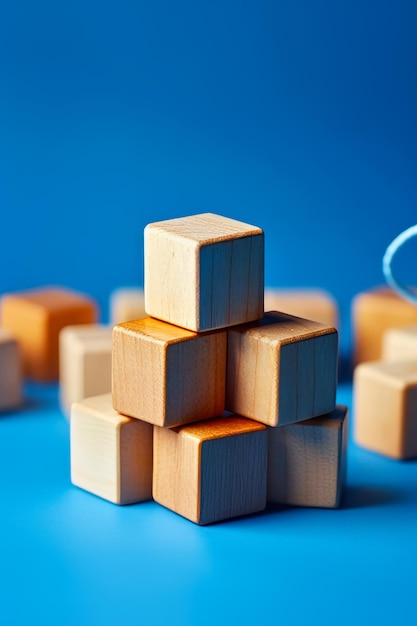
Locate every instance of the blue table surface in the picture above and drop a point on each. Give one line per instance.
(68, 557)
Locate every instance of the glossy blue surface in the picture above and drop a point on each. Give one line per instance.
(69, 557)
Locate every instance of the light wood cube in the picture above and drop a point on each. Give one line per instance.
(374, 312)
(35, 318)
(211, 471)
(10, 372)
(85, 353)
(282, 369)
(311, 304)
(385, 407)
(111, 454)
(400, 344)
(127, 303)
(204, 272)
(166, 375)
(307, 461)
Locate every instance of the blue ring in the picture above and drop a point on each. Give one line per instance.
(390, 252)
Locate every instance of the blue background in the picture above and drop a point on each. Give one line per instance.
(299, 117)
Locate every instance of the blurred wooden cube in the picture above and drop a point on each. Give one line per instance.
(282, 369)
(111, 454)
(167, 375)
(374, 312)
(211, 471)
(10, 372)
(35, 318)
(85, 353)
(204, 272)
(127, 303)
(400, 344)
(311, 304)
(385, 407)
(307, 461)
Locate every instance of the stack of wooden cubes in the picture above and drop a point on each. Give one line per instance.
(240, 405)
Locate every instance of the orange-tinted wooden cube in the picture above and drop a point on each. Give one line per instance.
(35, 319)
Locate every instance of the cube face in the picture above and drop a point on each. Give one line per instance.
(204, 272)
(307, 461)
(127, 303)
(111, 455)
(373, 313)
(311, 304)
(307, 378)
(385, 399)
(10, 372)
(211, 471)
(400, 344)
(166, 375)
(238, 486)
(85, 362)
(282, 369)
(35, 319)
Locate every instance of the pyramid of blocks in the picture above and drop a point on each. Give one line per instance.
(217, 408)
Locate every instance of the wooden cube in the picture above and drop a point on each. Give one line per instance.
(400, 344)
(111, 454)
(211, 471)
(385, 407)
(311, 304)
(307, 461)
(127, 303)
(204, 272)
(282, 369)
(166, 375)
(84, 362)
(35, 319)
(10, 372)
(374, 312)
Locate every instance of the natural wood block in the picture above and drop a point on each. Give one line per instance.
(400, 344)
(211, 471)
(35, 319)
(10, 372)
(307, 461)
(204, 272)
(385, 407)
(374, 312)
(127, 303)
(167, 375)
(282, 369)
(111, 454)
(84, 362)
(311, 304)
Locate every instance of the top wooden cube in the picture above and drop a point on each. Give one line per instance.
(204, 272)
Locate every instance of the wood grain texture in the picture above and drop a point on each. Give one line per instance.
(211, 471)
(127, 303)
(385, 407)
(85, 357)
(11, 394)
(307, 461)
(311, 304)
(282, 369)
(400, 344)
(167, 375)
(373, 313)
(111, 454)
(204, 272)
(35, 318)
